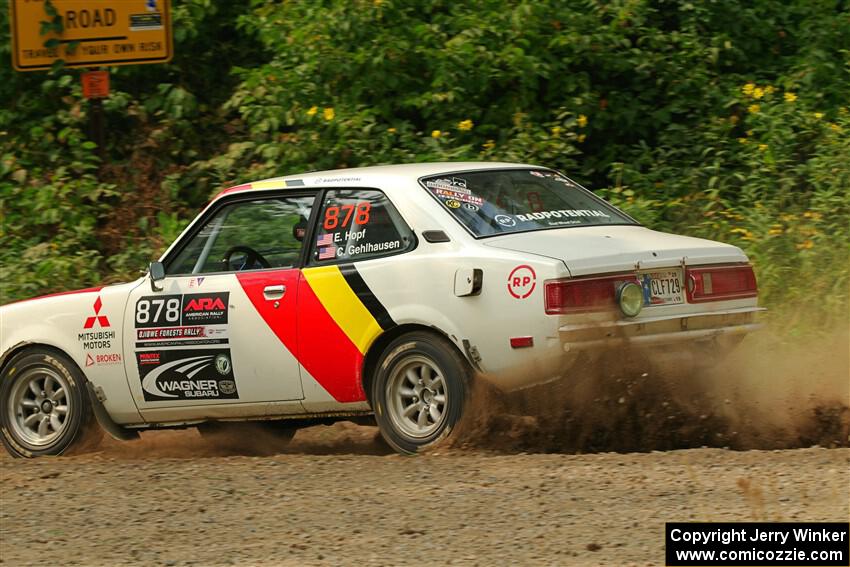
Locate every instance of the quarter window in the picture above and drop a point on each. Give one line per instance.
(357, 224)
(248, 235)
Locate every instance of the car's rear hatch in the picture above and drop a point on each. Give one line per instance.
(596, 250)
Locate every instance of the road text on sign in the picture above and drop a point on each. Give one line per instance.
(105, 32)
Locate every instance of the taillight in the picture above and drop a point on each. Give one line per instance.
(584, 294)
(715, 283)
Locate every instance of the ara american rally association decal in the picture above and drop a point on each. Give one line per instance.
(181, 320)
(164, 323)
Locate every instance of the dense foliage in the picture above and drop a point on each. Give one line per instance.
(724, 119)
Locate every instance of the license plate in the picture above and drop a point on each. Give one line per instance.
(663, 287)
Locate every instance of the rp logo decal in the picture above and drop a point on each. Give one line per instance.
(522, 281)
(96, 318)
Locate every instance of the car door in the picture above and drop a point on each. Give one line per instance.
(340, 315)
(220, 334)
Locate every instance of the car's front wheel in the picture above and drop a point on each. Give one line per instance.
(44, 406)
(419, 391)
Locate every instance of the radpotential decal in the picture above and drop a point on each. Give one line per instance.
(187, 374)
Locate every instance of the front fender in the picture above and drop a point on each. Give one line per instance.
(87, 327)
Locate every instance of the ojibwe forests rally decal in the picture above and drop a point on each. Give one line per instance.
(181, 319)
(163, 323)
(186, 374)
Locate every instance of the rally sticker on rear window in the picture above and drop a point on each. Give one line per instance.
(454, 193)
(186, 374)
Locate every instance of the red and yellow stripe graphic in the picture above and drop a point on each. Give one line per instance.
(338, 319)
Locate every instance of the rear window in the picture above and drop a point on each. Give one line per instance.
(519, 200)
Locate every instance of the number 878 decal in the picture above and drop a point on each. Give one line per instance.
(186, 309)
(340, 216)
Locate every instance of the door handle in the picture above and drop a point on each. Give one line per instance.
(274, 291)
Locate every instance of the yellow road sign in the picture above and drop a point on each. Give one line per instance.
(95, 32)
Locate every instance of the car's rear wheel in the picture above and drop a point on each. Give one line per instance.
(44, 406)
(419, 391)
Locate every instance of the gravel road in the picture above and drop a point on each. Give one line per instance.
(336, 497)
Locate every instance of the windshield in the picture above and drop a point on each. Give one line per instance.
(519, 200)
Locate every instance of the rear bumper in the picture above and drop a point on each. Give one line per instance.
(648, 331)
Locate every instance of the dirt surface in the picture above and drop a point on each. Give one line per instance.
(338, 497)
(584, 472)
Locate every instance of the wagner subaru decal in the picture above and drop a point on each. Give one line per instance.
(186, 374)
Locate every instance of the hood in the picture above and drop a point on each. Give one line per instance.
(607, 249)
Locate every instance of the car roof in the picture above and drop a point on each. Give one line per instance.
(367, 176)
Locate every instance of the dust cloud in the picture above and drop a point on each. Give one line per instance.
(769, 393)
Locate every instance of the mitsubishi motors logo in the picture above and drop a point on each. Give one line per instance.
(102, 320)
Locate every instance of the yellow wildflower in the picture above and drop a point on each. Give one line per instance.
(785, 217)
(753, 108)
(581, 138)
(581, 120)
(392, 130)
(465, 125)
(313, 110)
(556, 131)
(769, 90)
(806, 245)
(748, 89)
(762, 147)
(329, 114)
(775, 230)
(746, 234)
(818, 115)
(743, 140)
(489, 145)
(758, 92)
(436, 134)
(790, 97)
(835, 127)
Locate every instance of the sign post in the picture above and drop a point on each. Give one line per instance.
(96, 88)
(90, 33)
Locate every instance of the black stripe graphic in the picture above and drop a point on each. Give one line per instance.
(364, 294)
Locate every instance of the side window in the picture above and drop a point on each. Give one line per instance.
(357, 224)
(247, 235)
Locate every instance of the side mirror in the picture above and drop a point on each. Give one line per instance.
(157, 274)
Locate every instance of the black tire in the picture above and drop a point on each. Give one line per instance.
(21, 408)
(415, 353)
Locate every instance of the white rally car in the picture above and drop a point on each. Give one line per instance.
(383, 290)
